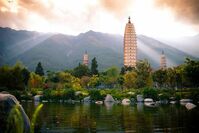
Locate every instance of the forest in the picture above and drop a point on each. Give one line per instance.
(162, 84)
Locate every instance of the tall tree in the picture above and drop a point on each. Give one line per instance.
(39, 69)
(130, 80)
(81, 70)
(110, 76)
(94, 66)
(143, 70)
(191, 72)
(26, 75)
(160, 77)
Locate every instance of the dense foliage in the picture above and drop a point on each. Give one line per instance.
(82, 81)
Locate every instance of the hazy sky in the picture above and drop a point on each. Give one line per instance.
(157, 18)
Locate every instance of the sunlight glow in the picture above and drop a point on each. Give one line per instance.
(74, 17)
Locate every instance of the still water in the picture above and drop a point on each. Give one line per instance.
(80, 118)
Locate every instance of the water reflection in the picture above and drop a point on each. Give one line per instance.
(57, 117)
(108, 105)
(140, 106)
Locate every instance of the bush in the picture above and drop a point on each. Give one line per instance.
(46, 94)
(95, 95)
(150, 93)
(69, 94)
(195, 96)
(164, 96)
(36, 91)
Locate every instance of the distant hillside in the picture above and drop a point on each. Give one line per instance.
(59, 51)
(189, 44)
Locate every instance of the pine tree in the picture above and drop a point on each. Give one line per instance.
(39, 69)
(94, 66)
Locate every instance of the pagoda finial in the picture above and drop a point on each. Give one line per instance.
(129, 19)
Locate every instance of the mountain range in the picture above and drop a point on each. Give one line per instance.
(59, 51)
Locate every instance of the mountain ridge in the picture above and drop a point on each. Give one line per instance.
(59, 51)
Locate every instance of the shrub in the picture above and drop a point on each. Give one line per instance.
(95, 95)
(150, 93)
(69, 94)
(164, 96)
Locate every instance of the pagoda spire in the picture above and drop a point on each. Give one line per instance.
(163, 63)
(85, 58)
(130, 45)
(129, 19)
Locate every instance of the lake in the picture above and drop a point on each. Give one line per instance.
(65, 117)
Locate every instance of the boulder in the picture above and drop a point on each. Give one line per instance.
(140, 98)
(109, 98)
(190, 106)
(173, 102)
(185, 101)
(86, 99)
(126, 101)
(10, 109)
(37, 98)
(150, 104)
(148, 100)
(99, 102)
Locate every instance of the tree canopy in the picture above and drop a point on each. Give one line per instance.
(94, 65)
(39, 69)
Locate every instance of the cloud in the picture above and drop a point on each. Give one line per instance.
(38, 7)
(186, 10)
(10, 18)
(118, 8)
(16, 13)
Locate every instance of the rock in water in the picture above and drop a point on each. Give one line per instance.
(12, 115)
(185, 101)
(86, 99)
(148, 100)
(190, 106)
(109, 98)
(37, 98)
(140, 98)
(126, 101)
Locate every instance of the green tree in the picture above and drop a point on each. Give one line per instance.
(160, 77)
(66, 80)
(143, 70)
(126, 69)
(95, 95)
(35, 81)
(110, 76)
(191, 72)
(120, 81)
(122, 72)
(39, 69)
(130, 80)
(81, 70)
(84, 81)
(26, 76)
(94, 66)
(94, 81)
(13, 78)
(179, 76)
(150, 93)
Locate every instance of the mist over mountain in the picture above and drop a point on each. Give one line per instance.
(188, 44)
(59, 51)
